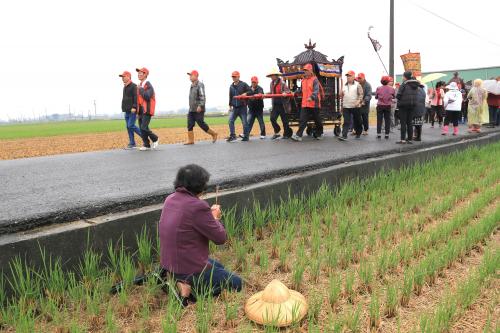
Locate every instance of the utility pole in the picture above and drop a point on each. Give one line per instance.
(95, 109)
(391, 40)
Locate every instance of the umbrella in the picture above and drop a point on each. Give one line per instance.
(432, 77)
(493, 86)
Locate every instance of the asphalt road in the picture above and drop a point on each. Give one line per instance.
(44, 190)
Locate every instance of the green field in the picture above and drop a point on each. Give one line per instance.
(34, 130)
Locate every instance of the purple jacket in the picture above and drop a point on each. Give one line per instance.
(186, 226)
(385, 95)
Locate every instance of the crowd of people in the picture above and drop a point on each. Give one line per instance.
(407, 106)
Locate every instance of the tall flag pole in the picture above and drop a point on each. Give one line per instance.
(376, 46)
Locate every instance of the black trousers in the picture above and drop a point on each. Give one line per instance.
(406, 118)
(352, 115)
(279, 111)
(365, 111)
(436, 113)
(196, 118)
(383, 113)
(452, 117)
(305, 115)
(146, 133)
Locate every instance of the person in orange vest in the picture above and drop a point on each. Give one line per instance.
(147, 101)
(311, 103)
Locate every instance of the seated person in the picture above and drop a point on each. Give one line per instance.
(187, 224)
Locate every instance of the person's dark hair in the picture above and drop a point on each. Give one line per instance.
(407, 75)
(193, 178)
(384, 82)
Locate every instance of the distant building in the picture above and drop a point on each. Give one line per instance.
(469, 74)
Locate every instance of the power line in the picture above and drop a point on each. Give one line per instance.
(456, 25)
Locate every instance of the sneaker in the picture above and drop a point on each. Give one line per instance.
(244, 139)
(409, 142)
(386, 137)
(129, 146)
(262, 137)
(297, 138)
(231, 138)
(144, 148)
(342, 138)
(365, 132)
(379, 136)
(275, 136)
(241, 136)
(156, 143)
(318, 137)
(401, 142)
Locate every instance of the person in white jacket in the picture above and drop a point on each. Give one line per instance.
(453, 107)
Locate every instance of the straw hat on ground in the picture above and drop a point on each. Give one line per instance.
(274, 71)
(276, 305)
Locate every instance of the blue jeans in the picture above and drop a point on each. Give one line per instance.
(131, 127)
(214, 276)
(260, 118)
(494, 115)
(241, 112)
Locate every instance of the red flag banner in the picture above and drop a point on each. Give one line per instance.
(411, 63)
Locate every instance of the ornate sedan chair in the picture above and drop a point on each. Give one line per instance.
(329, 74)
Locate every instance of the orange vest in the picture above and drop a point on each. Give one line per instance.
(307, 90)
(147, 106)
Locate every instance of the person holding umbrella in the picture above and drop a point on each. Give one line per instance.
(493, 87)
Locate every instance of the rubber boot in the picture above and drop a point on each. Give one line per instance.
(455, 130)
(213, 134)
(445, 130)
(190, 140)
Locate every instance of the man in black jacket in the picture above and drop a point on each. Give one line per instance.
(407, 101)
(237, 107)
(129, 107)
(256, 107)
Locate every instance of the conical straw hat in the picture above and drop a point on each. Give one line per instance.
(274, 71)
(276, 305)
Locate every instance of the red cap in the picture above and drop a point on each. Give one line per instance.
(361, 76)
(350, 73)
(235, 74)
(193, 72)
(125, 73)
(143, 69)
(385, 78)
(254, 79)
(308, 67)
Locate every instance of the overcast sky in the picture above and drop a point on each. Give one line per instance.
(60, 53)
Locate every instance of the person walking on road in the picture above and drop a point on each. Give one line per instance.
(256, 107)
(129, 107)
(494, 108)
(280, 105)
(365, 104)
(407, 101)
(196, 114)
(477, 106)
(437, 104)
(146, 100)
(352, 98)
(237, 107)
(311, 104)
(453, 107)
(419, 114)
(385, 94)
